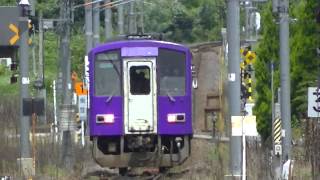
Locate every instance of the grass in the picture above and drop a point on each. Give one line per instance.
(7, 89)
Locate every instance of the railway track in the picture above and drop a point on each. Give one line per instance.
(147, 174)
(204, 46)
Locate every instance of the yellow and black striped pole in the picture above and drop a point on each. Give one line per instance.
(277, 136)
(249, 85)
(277, 131)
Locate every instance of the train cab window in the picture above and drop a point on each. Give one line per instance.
(171, 67)
(107, 74)
(139, 80)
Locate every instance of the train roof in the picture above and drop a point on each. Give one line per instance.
(139, 43)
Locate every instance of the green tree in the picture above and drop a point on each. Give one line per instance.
(267, 52)
(304, 67)
(305, 63)
(187, 20)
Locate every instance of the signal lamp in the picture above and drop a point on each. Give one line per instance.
(13, 66)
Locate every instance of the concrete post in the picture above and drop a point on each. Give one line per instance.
(233, 37)
(285, 77)
(25, 161)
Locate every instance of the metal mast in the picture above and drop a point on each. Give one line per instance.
(88, 24)
(108, 21)
(132, 18)
(120, 19)
(96, 23)
(233, 37)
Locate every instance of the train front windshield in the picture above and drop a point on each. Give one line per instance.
(108, 74)
(171, 66)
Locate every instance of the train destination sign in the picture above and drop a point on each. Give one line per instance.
(9, 26)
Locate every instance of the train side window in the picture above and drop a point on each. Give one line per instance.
(107, 81)
(171, 67)
(139, 80)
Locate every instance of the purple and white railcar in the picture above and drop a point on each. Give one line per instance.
(140, 103)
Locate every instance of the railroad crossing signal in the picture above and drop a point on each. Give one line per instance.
(250, 57)
(246, 72)
(13, 40)
(9, 32)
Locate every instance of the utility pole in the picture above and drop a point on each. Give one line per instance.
(233, 37)
(281, 8)
(248, 6)
(132, 18)
(96, 23)
(40, 81)
(26, 162)
(120, 19)
(285, 77)
(65, 65)
(88, 24)
(32, 7)
(108, 21)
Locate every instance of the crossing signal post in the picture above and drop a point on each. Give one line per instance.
(26, 160)
(30, 30)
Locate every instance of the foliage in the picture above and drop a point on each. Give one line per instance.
(51, 59)
(8, 2)
(187, 21)
(267, 51)
(305, 63)
(304, 38)
(77, 52)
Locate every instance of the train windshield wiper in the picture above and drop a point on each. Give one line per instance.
(170, 96)
(110, 96)
(115, 68)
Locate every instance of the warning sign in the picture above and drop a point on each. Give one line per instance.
(80, 89)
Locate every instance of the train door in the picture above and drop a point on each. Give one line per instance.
(140, 96)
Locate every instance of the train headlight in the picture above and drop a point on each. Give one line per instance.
(105, 118)
(176, 118)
